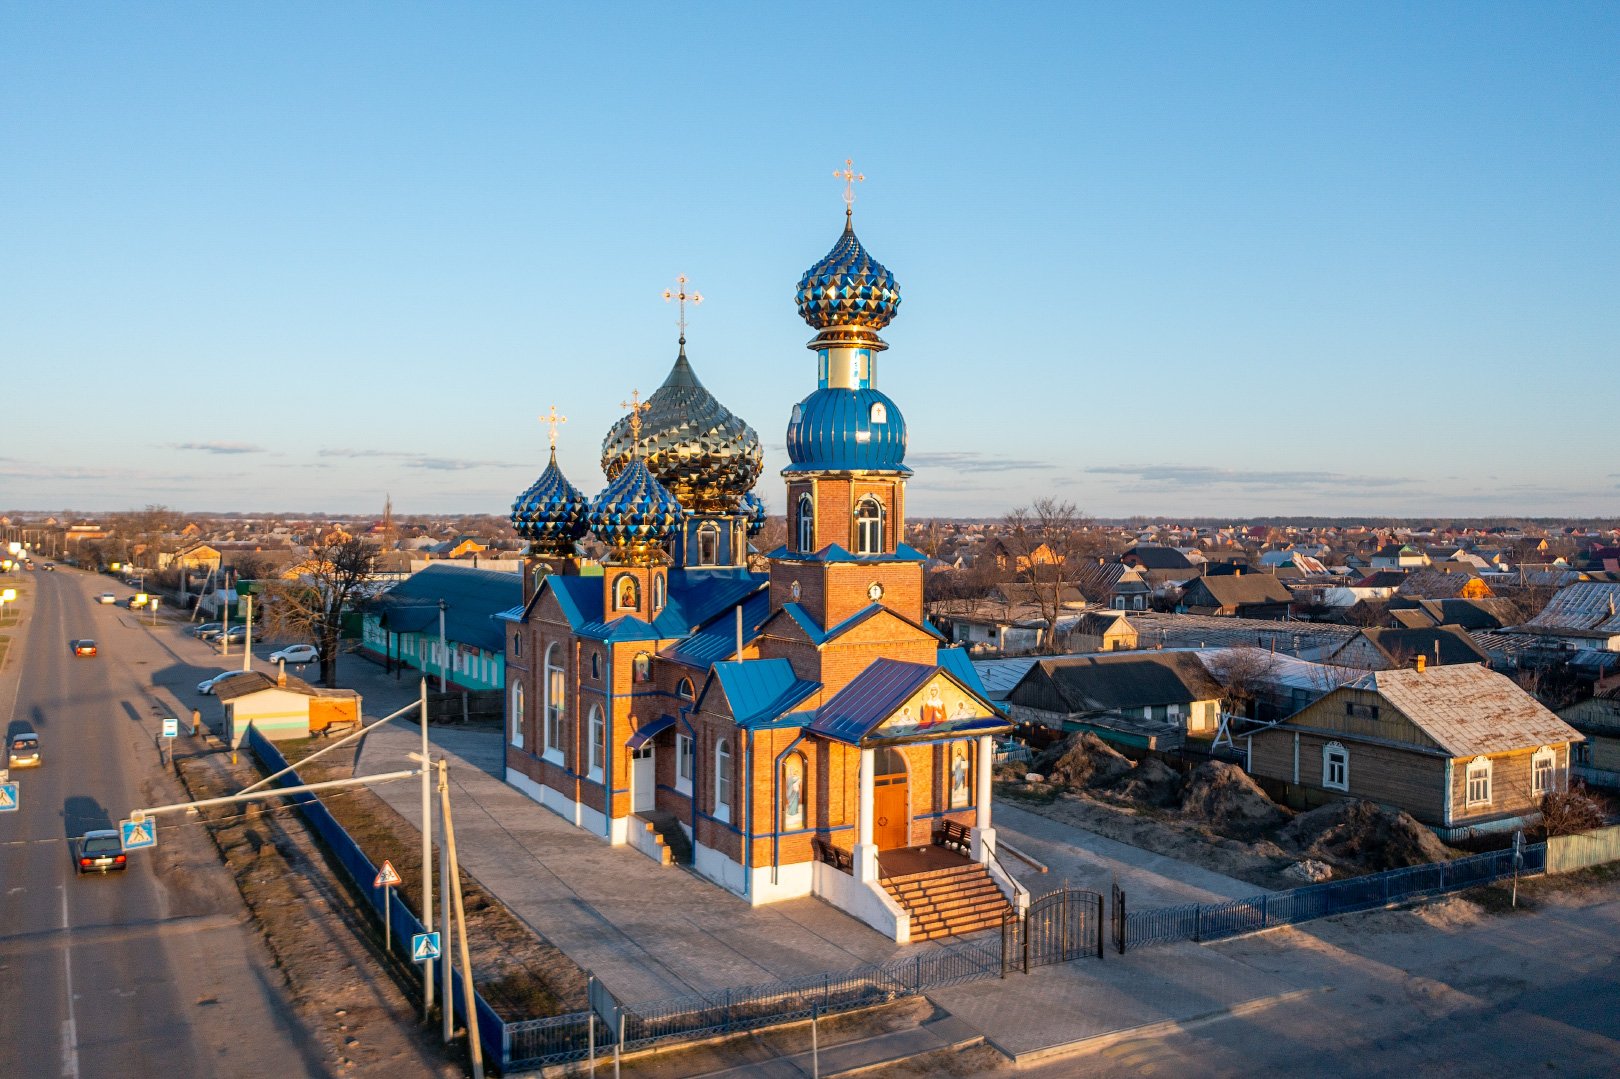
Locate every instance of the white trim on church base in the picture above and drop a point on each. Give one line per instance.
(578, 814)
(793, 881)
(865, 900)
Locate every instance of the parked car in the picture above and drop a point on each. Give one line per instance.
(206, 686)
(207, 627)
(139, 600)
(106, 597)
(295, 653)
(236, 633)
(24, 751)
(85, 647)
(100, 851)
(211, 634)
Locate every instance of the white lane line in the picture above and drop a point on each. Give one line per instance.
(70, 1029)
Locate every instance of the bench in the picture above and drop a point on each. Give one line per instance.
(953, 835)
(837, 857)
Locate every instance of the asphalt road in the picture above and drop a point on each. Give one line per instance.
(152, 971)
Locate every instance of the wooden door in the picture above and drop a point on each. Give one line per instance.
(891, 815)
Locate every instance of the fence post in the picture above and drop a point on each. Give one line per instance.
(1100, 948)
(728, 1011)
(916, 973)
(1198, 918)
(1265, 912)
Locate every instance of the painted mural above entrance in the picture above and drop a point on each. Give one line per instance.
(939, 709)
(892, 702)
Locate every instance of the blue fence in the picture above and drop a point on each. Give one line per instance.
(361, 870)
(1216, 921)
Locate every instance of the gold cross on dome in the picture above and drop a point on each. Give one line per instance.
(553, 421)
(681, 296)
(850, 178)
(636, 406)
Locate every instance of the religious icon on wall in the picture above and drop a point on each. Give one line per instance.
(959, 774)
(933, 708)
(793, 794)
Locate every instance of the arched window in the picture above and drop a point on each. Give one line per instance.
(1335, 767)
(658, 592)
(556, 688)
(626, 593)
(597, 733)
(793, 792)
(517, 645)
(596, 665)
(868, 526)
(722, 780)
(807, 524)
(708, 545)
(880, 412)
(960, 779)
(641, 668)
(685, 691)
(517, 714)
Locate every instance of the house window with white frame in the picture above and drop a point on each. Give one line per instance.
(556, 687)
(722, 781)
(1478, 791)
(685, 754)
(517, 714)
(1543, 768)
(1335, 767)
(598, 743)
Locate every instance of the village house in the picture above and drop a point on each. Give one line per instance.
(1598, 718)
(1460, 748)
(1242, 595)
(1140, 700)
(1385, 649)
(402, 627)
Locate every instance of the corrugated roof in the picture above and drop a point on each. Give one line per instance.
(1119, 681)
(760, 690)
(1590, 607)
(999, 676)
(718, 640)
(1469, 709)
(871, 697)
(473, 598)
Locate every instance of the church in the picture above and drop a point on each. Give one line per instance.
(802, 731)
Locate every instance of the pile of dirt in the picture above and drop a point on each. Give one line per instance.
(1223, 796)
(1310, 871)
(1363, 835)
(1083, 760)
(1151, 782)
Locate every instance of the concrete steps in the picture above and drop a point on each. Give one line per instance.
(947, 902)
(669, 835)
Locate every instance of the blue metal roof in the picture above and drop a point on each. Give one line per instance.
(581, 601)
(870, 698)
(834, 553)
(648, 731)
(761, 690)
(956, 661)
(834, 428)
(717, 640)
(473, 598)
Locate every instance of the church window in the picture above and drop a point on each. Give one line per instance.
(685, 762)
(868, 527)
(626, 593)
(793, 792)
(658, 592)
(598, 737)
(641, 668)
(596, 665)
(880, 412)
(685, 690)
(708, 544)
(807, 524)
(517, 714)
(961, 779)
(556, 699)
(517, 645)
(722, 781)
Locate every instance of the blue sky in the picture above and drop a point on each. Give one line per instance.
(1168, 259)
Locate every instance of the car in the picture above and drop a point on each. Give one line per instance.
(236, 633)
(100, 851)
(85, 647)
(206, 686)
(295, 653)
(24, 751)
(50, 567)
(106, 597)
(137, 601)
(211, 634)
(207, 627)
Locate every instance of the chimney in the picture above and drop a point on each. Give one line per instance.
(1422, 663)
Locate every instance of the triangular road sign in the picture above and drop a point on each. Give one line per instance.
(424, 946)
(387, 876)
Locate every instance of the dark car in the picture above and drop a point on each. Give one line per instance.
(100, 852)
(24, 751)
(85, 647)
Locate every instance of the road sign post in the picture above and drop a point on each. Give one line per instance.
(10, 797)
(138, 834)
(387, 877)
(424, 947)
(171, 727)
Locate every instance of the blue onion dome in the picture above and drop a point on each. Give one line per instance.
(704, 455)
(754, 507)
(848, 288)
(634, 514)
(841, 429)
(551, 514)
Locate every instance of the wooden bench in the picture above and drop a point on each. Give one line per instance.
(953, 835)
(837, 857)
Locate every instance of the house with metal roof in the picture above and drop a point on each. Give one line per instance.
(1140, 700)
(442, 622)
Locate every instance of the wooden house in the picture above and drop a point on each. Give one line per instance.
(1458, 747)
(1386, 649)
(1243, 595)
(1142, 700)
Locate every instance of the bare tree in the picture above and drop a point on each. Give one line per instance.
(253, 566)
(1046, 543)
(1569, 811)
(335, 578)
(1246, 673)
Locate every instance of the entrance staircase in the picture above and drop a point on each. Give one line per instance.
(945, 902)
(668, 834)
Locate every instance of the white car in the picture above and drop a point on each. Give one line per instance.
(295, 653)
(206, 686)
(106, 597)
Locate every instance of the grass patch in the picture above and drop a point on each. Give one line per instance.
(1041, 794)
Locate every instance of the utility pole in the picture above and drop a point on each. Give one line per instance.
(446, 989)
(247, 647)
(427, 854)
(475, 1047)
(444, 649)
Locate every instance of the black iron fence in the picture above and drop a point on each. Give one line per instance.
(1216, 921)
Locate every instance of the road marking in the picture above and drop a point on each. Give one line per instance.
(70, 1028)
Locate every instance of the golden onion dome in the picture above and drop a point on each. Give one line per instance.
(848, 287)
(705, 456)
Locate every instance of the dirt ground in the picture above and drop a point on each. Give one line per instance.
(519, 973)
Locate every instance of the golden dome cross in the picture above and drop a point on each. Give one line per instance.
(636, 406)
(850, 178)
(681, 296)
(553, 421)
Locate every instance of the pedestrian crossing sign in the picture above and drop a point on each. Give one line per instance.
(10, 797)
(138, 834)
(424, 946)
(387, 876)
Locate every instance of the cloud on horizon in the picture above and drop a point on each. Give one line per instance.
(217, 447)
(1182, 477)
(422, 461)
(968, 461)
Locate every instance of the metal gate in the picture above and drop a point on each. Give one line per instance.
(1059, 926)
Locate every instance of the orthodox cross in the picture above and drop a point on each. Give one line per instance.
(681, 296)
(636, 406)
(553, 421)
(850, 178)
